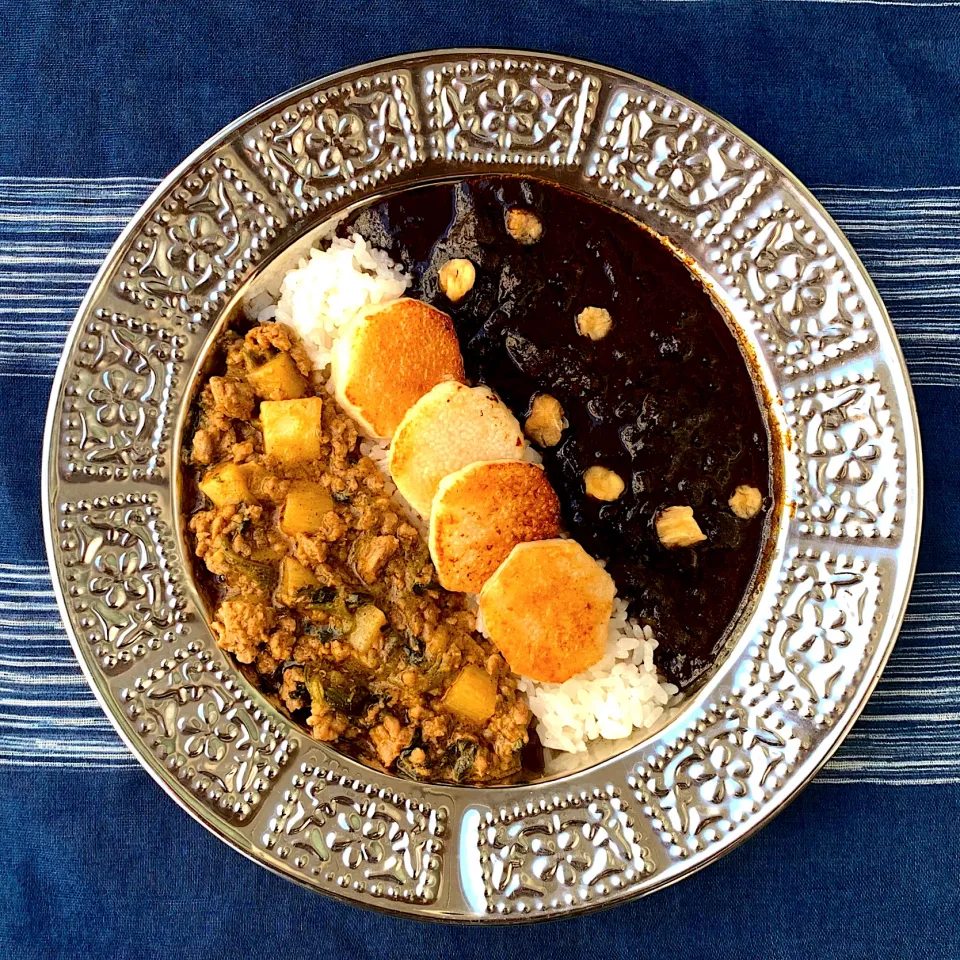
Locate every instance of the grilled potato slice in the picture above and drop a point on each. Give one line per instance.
(450, 427)
(388, 357)
(480, 513)
(548, 608)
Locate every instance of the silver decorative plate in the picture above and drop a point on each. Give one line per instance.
(804, 656)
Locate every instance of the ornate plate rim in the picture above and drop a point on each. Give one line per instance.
(616, 814)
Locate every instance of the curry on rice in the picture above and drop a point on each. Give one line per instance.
(319, 583)
(543, 386)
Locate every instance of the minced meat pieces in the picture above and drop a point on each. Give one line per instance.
(243, 627)
(231, 397)
(384, 705)
(372, 554)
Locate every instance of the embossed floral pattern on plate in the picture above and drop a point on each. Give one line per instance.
(359, 836)
(193, 715)
(676, 162)
(202, 237)
(850, 455)
(336, 142)
(717, 774)
(539, 113)
(801, 663)
(820, 633)
(116, 421)
(117, 582)
(797, 286)
(576, 849)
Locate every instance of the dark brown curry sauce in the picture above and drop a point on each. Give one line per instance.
(666, 399)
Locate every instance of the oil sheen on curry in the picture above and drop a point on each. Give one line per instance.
(664, 399)
(618, 373)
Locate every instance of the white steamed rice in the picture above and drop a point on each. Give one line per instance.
(329, 288)
(616, 696)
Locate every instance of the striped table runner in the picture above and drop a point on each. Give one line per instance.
(54, 233)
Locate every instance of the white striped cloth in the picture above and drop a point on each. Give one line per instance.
(54, 234)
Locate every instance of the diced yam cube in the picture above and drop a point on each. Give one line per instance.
(294, 576)
(677, 527)
(291, 429)
(370, 555)
(367, 624)
(278, 379)
(473, 695)
(225, 484)
(305, 507)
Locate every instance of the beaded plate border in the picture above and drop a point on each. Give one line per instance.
(803, 661)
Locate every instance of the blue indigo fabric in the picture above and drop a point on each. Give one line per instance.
(99, 101)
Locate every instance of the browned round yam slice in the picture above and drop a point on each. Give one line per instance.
(445, 430)
(547, 609)
(389, 356)
(480, 513)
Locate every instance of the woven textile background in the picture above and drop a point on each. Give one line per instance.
(98, 102)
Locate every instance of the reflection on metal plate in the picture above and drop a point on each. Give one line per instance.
(801, 663)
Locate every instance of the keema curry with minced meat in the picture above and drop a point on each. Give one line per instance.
(319, 584)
